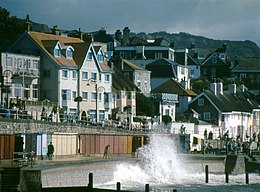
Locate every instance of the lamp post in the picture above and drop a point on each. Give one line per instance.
(5, 87)
(97, 89)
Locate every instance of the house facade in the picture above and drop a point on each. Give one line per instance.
(135, 73)
(233, 110)
(216, 65)
(67, 66)
(20, 77)
(164, 69)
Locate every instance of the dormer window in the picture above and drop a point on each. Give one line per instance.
(201, 56)
(100, 57)
(89, 56)
(69, 53)
(222, 56)
(57, 52)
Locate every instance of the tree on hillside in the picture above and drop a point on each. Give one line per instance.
(144, 105)
(10, 29)
(198, 85)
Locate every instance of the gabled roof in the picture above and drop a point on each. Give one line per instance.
(81, 50)
(162, 68)
(133, 66)
(208, 61)
(45, 41)
(251, 64)
(228, 102)
(120, 82)
(174, 87)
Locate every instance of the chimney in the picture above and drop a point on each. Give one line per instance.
(89, 38)
(184, 83)
(213, 88)
(126, 33)
(140, 52)
(80, 34)
(55, 30)
(220, 88)
(28, 23)
(232, 88)
(192, 45)
(224, 47)
(118, 35)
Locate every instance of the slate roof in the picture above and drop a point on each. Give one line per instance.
(228, 102)
(120, 82)
(133, 66)
(173, 87)
(162, 68)
(248, 64)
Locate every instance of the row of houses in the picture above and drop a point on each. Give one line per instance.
(89, 75)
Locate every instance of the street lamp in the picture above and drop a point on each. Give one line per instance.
(5, 87)
(97, 89)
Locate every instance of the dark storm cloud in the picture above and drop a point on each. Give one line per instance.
(218, 19)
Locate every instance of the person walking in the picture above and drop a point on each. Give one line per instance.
(105, 155)
(50, 151)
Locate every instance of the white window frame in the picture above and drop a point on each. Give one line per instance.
(84, 75)
(84, 96)
(74, 74)
(201, 102)
(65, 74)
(207, 116)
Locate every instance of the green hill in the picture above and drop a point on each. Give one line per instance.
(12, 27)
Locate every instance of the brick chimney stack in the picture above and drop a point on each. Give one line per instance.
(28, 23)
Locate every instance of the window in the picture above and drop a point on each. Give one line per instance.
(222, 56)
(205, 71)
(69, 53)
(74, 74)
(17, 90)
(74, 95)
(9, 62)
(182, 70)
(127, 75)
(158, 56)
(89, 56)
(84, 95)
(138, 84)
(65, 94)
(100, 77)
(214, 59)
(107, 79)
(84, 75)
(27, 64)
(94, 76)
(27, 91)
(35, 91)
(65, 74)
(106, 97)
(192, 73)
(100, 57)
(201, 56)
(57, 52)
(129, 94)
(200, 102)
(100, 96)
(35, 64)
(93, 96)
(207, 116)
(167, 112)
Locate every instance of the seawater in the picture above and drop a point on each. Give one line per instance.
(160, 167)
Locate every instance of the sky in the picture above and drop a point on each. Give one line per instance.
(237, 20)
